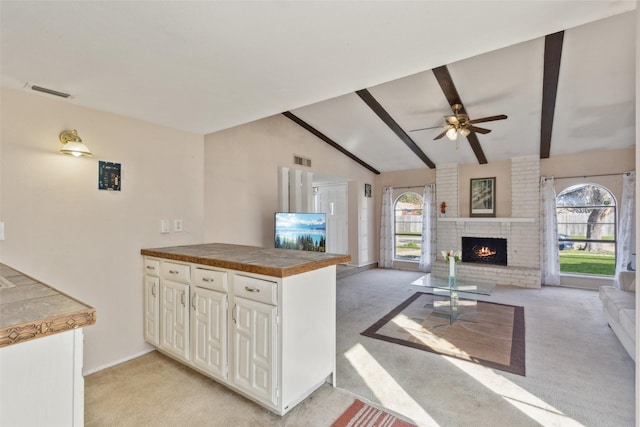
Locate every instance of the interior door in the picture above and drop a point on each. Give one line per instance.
(332, 200)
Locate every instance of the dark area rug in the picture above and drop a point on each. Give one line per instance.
(486, 333)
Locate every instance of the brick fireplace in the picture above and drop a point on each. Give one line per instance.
(520, 230)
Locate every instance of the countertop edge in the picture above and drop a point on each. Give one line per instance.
(42, 327)
(249, 268)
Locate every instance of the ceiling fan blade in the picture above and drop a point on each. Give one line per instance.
(488, 119)
(432, 127)
(441, 135)
(478, 130)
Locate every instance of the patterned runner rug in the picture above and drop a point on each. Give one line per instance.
(361, 414)
(489, 334)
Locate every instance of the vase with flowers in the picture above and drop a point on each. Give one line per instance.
(452, 258)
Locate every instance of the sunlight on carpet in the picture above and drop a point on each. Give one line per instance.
(486, 333)
(520, 398)
(384, 387)
(416, 330)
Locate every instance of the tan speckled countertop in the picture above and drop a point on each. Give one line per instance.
(250, 259)
(30, 309)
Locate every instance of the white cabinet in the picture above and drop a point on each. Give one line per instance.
(42, 383)
(174, 320)
(254, 349)
(151, 297)
(152, 309)
(209, 331)
(174, 309)
(271, 339)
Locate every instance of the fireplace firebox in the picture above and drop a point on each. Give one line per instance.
(484, 250)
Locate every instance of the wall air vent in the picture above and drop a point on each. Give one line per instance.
(301, 161)
(48, 91)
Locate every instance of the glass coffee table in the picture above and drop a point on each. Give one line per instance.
(447, 292)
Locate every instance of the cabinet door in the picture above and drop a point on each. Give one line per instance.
(254, 345)
(174, 324)
(209, 331)
(152, 310)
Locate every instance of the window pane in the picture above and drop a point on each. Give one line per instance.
(408, 227)
(586, 217)
(408, 247)
(599, 258)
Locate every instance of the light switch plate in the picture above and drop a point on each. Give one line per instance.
(164, 226)
(1, 230)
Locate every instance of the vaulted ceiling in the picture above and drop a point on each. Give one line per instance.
(360, 75)
(568, 92)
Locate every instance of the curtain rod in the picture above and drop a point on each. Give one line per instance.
(412, 186)
(592, 176)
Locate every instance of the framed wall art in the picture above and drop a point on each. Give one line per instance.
(109, 176)
(483, 197)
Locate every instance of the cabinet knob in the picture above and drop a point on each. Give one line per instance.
(207, 279)
(248, 289)
(173, 272)
(150, 267)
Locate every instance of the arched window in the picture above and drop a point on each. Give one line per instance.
(408, 227)
(586, 216)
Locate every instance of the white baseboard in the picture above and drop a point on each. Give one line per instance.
(116, 362)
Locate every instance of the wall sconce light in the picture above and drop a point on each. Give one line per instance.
(72, 144)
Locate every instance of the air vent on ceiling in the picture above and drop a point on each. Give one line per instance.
(48, 91)
(301, 161)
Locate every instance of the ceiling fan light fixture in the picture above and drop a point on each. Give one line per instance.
(465, 132)
(452, 134)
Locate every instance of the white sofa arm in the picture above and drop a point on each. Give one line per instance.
(627, 281)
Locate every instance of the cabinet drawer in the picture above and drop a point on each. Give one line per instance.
(152, 267)
(210, 279)
(255, 289)
(179, 273)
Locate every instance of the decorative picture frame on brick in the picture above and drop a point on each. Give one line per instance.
(482, 197)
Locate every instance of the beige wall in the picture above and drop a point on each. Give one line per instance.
(585, 166)
(241, 181)
(62, 230)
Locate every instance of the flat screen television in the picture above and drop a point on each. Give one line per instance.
(301, 231)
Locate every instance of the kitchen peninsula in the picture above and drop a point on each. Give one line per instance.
(260, 321)
(41, 351)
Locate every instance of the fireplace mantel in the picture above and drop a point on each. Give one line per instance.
(461, 219)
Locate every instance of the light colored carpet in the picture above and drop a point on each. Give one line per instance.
(577, 372)
(154, 390)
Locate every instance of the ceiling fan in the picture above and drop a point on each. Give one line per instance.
(459, 123)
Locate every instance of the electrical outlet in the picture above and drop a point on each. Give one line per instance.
(177, 225)
(164, 226)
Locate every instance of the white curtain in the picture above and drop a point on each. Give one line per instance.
(549, 257)
(428, 228)
(625, 249)
(386, 229)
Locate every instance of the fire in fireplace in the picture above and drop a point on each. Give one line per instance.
(484, 250)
